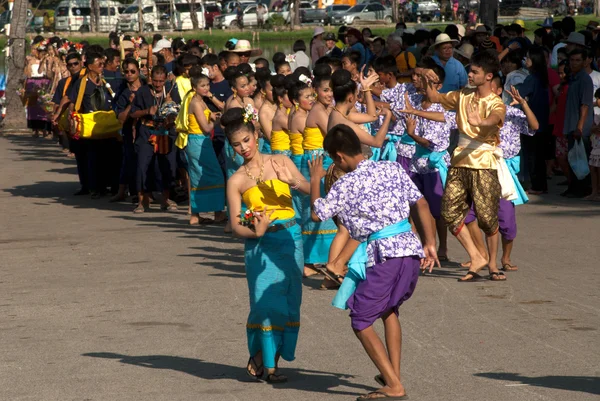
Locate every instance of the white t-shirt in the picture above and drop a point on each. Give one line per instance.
(595, 75)
(554, 60)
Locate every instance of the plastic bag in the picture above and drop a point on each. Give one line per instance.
(578, 160)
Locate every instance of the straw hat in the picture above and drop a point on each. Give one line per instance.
(481, 29)
(461, 30)
(466, 50)
(244, 46)
(443, 38)
(592, 25)
(521, 23)
(127, 44)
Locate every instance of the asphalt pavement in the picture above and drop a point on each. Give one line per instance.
(97, 303)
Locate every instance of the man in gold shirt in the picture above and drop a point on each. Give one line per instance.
(473, 176)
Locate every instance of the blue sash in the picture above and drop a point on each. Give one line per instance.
(514, 165)
(436, 160)
(357, 270)
(407, 140)
(388, 152)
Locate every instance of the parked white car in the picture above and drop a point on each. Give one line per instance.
(230, 20)
(74, 15)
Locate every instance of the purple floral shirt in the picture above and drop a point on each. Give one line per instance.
(370, 198)
(515, 125)
(399, 127)
(437, 133)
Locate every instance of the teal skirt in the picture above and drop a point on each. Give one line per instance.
(274, 265)
(264, 145)
(316, 237)
(297, 195)
(207, 184)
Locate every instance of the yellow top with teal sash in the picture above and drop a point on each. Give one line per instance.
(280, 140)
(313, 138)
(272, 194)
(296, 143)
(186, 123)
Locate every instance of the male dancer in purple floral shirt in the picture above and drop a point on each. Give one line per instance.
(373, 200)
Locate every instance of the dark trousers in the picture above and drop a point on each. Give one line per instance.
(219, 147)
(146, 180)
(127, 175)
(580, 187)
(78, 148)
(533, 160)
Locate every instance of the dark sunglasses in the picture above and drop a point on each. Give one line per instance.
(129, 72)
(73, 64)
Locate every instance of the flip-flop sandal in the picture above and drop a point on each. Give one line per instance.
(507, 267)
(474, 278)
(258, 371)
(275, 378)
(169, 207)
(331, 275)
(494, 276)
(139, 209)
(384, 396)
(204, 220)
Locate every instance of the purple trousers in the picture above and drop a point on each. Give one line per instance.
(404, 162)
(386, 287)
(507, 219)
(430, 185)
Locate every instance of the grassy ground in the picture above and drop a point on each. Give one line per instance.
(216, 38)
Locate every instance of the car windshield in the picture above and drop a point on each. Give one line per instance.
(62, 11)
(358, 8)
(131, 10)
(212, 9)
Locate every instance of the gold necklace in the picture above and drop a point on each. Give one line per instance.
(260, 175)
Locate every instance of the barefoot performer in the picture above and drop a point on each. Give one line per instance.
(273, 246)
(373, 201)
(473, 174)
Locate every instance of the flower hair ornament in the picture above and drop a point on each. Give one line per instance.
(64, 49)
(290, 58)
(205, 71)
(305, 79)
(250, 114)
(137, 42)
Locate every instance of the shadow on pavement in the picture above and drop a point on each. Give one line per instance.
(584, 384)
(300, 379)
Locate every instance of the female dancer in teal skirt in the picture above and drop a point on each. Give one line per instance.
(195, 121)
(273, 247)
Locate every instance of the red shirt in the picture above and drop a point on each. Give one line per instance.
(553, 80)
(561, 108)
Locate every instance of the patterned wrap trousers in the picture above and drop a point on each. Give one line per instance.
(466, 186)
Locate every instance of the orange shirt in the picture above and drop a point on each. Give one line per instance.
(405, 61)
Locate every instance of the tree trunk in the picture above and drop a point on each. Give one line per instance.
(194, 14)
(395, 15)
(95, 16)
(296, 16)
(488, 12)
(597, 8)
(15, 112)
(140, 17)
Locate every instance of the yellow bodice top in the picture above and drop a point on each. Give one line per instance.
(280, 140)
(193, 123)
(273, 194)
(296, 143)
(313, 138)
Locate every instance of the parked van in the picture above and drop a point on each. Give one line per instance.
(183, 15)
(75, 15)
(152, 13)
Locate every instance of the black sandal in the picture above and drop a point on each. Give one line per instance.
(495, 276)
(337, 278)
(275, 378)
(474, 277)
(258, 370)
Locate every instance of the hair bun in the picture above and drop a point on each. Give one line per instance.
(278, 81)
(340, 78)
(232, 116)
